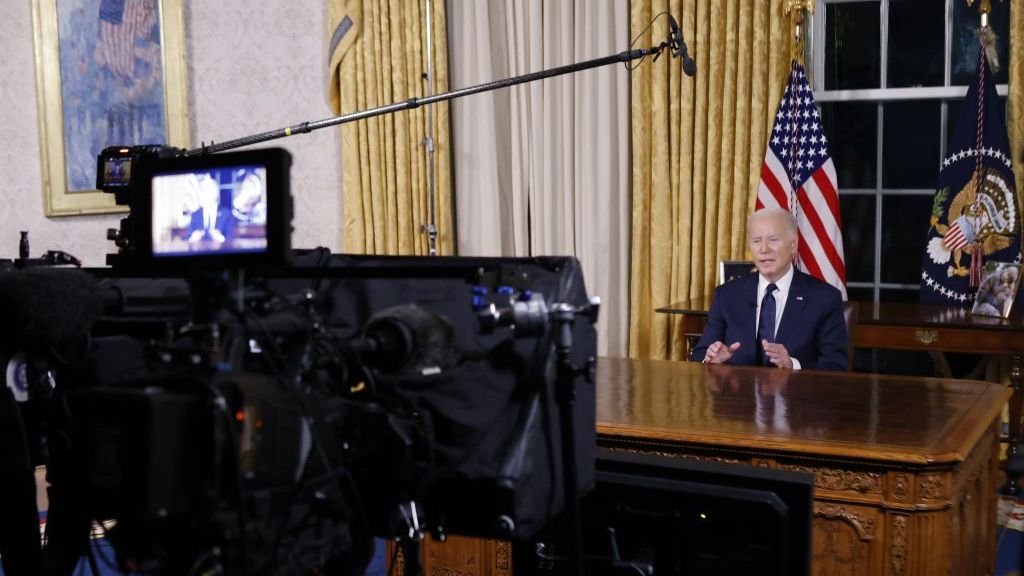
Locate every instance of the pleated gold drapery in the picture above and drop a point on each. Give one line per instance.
(378, 58)
(698, 146)
(1015, 95)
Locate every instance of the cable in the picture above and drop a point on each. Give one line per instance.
(211, 554)
(306, 413)
(629, 67)
(283, 380)
(322, 260)
(220, 404)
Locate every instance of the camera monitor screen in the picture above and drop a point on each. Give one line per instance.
(231, 209)
(212, 210)
(117, 171)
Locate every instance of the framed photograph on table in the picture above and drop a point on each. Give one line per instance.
(998, 288)
(108, 72)
(732, 269)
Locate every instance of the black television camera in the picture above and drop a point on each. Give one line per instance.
(272, 422)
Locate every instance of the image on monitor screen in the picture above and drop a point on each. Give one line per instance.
(210, 211)
(117, 171)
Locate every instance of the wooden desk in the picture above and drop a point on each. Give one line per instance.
(913, 326)
(897, 492)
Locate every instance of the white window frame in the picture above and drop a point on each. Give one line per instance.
(943, 93)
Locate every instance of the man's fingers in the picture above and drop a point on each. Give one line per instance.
(777, 354)
(734, 346)
(712, 350)
(716, 351)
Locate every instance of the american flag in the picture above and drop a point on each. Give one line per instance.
(798, 175)
(122, 22)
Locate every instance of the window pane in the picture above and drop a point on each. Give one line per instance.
(851, 129)
(910, 144)
(899, 295)
(860, 294)
(858, 214)
(916, 43)
(904, 223)
(852, 45)
(965, 40)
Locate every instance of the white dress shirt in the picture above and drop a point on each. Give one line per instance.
(781, 295)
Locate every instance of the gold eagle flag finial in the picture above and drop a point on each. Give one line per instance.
(795, 10)
(984, 7)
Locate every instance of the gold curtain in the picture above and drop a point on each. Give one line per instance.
(698, 145)
(1015, 96)
(378, 58)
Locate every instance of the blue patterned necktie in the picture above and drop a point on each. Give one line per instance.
(766, 322)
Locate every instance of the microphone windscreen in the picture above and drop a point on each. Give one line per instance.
(679, 47)
(47, 308)
(689, 66)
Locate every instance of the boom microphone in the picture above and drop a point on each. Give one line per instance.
(47, 310)
(679, 47)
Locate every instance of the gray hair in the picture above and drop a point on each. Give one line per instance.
(786, 216)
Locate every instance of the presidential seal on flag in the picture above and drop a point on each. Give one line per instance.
(981, 218)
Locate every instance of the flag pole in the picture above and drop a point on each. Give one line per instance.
(984, 7)
(985, 43)
(795, 10)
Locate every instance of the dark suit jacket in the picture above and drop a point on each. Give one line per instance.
(812, 328)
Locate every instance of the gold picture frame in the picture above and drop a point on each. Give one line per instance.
(998, 289)
(732, 269)
(125, 60)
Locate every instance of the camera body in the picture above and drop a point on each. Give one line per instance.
(197, 466)
(300, 415)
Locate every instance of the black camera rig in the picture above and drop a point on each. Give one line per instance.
(275, 424)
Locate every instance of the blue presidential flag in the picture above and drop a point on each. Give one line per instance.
(974, 218)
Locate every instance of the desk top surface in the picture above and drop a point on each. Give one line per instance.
(890, 314)
(867, 416)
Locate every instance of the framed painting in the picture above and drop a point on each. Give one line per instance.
(998, 289)
(108, 73)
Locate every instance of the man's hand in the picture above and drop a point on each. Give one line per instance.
(719, 352)
(777, 354)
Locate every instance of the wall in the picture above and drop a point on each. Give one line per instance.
(252, 67)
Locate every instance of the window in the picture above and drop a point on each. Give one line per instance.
(890, 77)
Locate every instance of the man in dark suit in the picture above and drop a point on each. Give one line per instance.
(808, 313)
